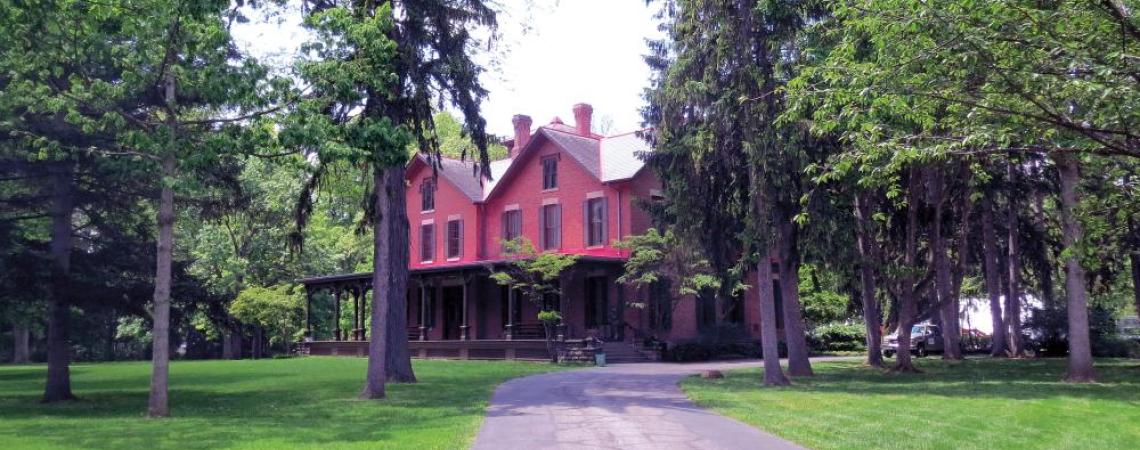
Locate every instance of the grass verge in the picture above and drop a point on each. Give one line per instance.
(974, 404)
(265, 404)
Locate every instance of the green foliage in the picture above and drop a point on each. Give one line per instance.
(549, 317)
(656, 257)
(535, 274)
(454, 142)
(820, 295)
(838, 337)
(279, 309)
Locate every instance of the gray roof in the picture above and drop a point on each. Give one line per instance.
(583, 149)
(622, 156)
(612, 158)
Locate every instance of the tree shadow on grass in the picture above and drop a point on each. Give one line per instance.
(215, 410)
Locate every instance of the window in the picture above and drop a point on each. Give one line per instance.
(595, 215)
(427, 242)
(512, 224)
(550, 172)
(551, 219)
(427, 195)
(454, 238)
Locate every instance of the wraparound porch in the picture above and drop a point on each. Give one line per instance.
(456, 311)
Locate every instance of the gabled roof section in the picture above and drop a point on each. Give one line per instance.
(622, 156)
(612, 158)
(464, 175)
(583, 149)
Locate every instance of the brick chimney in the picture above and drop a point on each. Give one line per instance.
(522, 133)
(583, 113)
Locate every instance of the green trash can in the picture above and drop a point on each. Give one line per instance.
(600, 358)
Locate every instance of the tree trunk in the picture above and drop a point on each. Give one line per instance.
(871, 309)
(58, 386)
(1044, 266)
(20, 338)
(993, 279)
(798, 363)
(1013, 300)
(1080, 350)
(769, 336)
(963, 262)
(399, 358)
(382, 282)
(257, 345)
(160, 354)
(947, 302)
(112, 327)
(907, 304)
(227, 344)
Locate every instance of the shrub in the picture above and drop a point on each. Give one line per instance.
(705, 351)
(1048, 330)
(838, 337)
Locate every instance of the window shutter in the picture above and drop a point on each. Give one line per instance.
(460, 239)
(542, 228)
(586, 224)
(605, 221)
(558, 226)
(506, 217)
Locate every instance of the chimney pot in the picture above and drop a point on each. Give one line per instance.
(522, 124)
(583, 114)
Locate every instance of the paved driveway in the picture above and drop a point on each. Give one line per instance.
(625, 406)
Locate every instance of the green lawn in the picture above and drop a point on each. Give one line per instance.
(266, 404)
(980, 404)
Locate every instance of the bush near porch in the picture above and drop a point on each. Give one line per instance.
(975, 404)
(263, 404)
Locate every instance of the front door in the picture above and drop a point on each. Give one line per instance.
(599, 315)
(452, 312)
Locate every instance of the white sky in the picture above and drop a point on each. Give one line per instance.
(551, 55)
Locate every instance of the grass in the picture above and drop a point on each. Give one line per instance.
(266, 404)
(975, 404)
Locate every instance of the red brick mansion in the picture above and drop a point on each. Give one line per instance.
(564, 188)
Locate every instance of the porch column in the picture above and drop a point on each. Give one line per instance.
(308, 312)
(364, 302)
(563, 280)
(356, 313)
(336, 313)
(423, 311)
(463, 335)
(510, 313)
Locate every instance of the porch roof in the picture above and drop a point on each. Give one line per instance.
(442, 268)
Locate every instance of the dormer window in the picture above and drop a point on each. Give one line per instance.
(427, 195)
(550, 172)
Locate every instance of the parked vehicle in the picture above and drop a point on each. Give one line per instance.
(975, 341)
(924, 339)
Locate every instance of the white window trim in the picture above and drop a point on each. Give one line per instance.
(511, 207)
(550, 201)
(595, 194)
